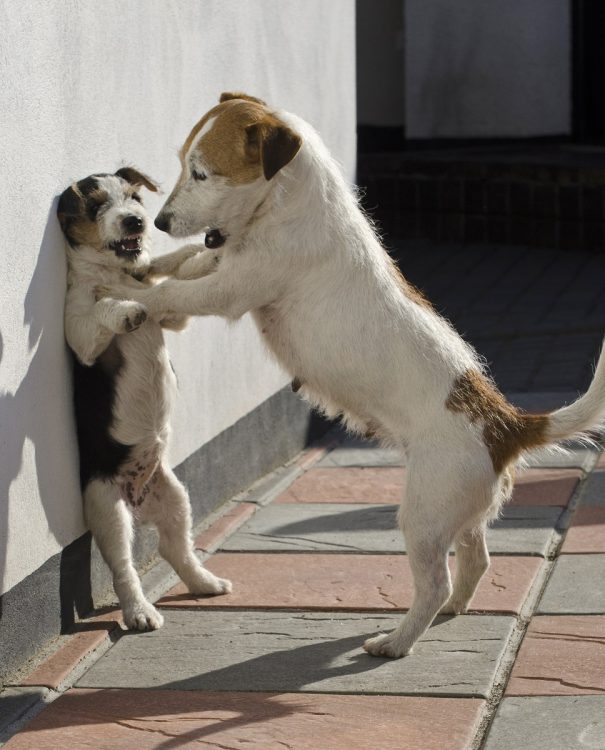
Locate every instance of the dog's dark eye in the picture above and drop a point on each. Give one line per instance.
(136, 197)
(92, 209)
(198, 175)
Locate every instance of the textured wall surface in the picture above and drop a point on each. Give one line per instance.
(476, 68)
(88, 87)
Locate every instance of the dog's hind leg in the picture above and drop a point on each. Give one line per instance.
(167, 506)
(440, 501)
(111, 524)
(472, 560)
(427, 542)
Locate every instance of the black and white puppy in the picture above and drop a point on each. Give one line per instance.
(124, 386)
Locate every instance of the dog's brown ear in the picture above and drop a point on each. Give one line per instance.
(275, 143)
(227, 95)
(69, 206)
(134, 177)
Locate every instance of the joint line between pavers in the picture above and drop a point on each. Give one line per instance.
(509, 655)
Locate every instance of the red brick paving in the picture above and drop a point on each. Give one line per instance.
(56, 669)
(545, 486)
(587, 532)
(561, 656)
(350, 485)
(154, 719)
(386, 485)
(346, 582)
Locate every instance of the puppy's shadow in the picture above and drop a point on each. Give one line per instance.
(37, 415)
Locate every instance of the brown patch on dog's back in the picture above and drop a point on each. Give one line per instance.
(507, 431)
(408, 289)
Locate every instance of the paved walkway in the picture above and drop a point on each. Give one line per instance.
(537, 316)
(319, 566)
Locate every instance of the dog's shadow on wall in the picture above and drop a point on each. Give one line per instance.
(37, 418)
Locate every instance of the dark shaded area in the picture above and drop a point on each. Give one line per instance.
(538, 317)
(524, 194)
(588, 70)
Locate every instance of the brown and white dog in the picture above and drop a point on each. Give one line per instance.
(300, 255)
(124, 386)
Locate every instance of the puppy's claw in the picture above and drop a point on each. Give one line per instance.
(132, 322)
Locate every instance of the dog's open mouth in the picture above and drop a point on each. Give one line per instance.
(214, 238)
(127, 247)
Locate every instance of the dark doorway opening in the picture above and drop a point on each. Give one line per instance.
(588, 45)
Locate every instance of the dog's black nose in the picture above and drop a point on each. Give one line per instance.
(132, 224)
(162, 222)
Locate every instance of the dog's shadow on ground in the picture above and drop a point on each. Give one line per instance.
(210, 705)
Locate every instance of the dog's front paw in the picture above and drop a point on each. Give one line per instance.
(386, 645)
(132, 315)
(201, 264)
(142, 615)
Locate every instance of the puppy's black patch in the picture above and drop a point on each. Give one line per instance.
(94, 394)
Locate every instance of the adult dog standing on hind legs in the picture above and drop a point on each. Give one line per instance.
(301, 256)
(123, 387)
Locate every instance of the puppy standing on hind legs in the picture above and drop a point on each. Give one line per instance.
(123, 387)
(301, 256)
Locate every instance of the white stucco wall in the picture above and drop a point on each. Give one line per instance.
(89, 86)
(478, 68)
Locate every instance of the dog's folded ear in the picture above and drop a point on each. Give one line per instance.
(69, 208)
(227, 95)
(134, 177)
(274, 143)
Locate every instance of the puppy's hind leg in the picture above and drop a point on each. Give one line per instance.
(111, 524)
(167, 507)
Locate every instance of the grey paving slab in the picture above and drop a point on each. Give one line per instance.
(576, 586)
(308, 652)
(336, 527)
(361, 456)
(593, 489)
(562, 722)
(15, 704)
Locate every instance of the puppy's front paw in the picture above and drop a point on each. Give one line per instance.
(209, 584)
(141, 616)
(133, 315)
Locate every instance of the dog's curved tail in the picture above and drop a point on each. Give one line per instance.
(588, 412)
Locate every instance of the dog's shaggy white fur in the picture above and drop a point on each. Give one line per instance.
(124, 386)
(301, 256)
